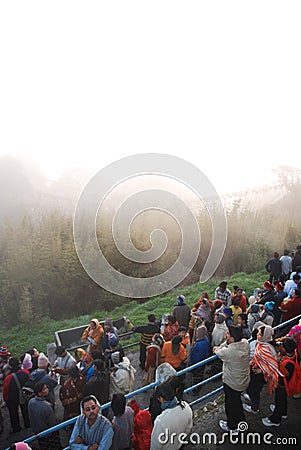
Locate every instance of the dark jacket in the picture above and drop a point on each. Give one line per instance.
(147, 332)
(10, 388)
(182, 314)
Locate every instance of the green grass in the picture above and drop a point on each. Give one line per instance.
(22, 337)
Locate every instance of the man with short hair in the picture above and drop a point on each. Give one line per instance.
(63, 363)
(223, 293)
(42, 417)
(236, 375)
(123, 423)
(286, 261)
(91, 431)
(147, 332)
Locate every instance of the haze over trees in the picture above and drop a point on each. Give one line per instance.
(40, 274)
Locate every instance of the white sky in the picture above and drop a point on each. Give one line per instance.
(216, 83)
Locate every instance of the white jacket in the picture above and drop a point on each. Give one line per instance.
(122, 379)
(219, 334)
(171, 420)
(236, 364)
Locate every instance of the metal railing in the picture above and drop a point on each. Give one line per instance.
(153, 385)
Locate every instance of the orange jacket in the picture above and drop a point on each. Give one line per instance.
(94, 337)
(168, 356)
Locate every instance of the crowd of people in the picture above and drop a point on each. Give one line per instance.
(236, 328)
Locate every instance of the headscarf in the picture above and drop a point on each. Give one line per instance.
(265, 358)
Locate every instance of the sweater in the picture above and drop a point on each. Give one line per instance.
(100, 432)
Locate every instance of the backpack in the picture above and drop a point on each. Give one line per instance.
(293, 386)
(28, 388)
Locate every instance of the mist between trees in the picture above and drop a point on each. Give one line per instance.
(41, 276)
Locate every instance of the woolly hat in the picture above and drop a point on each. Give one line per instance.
(43, 361)
(255, 308)
(108, 321)
(269, 305)
(220, 318)
(268, 285)
(201, 332)
(27, 362)
(181, 299)
(3, 351)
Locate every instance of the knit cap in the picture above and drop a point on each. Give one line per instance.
(27, 362)
(43, 361)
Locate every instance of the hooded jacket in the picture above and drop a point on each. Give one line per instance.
(143, 427)
(122, 379)
(94, 337)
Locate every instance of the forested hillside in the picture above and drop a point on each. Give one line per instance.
(41, 276)
(21, 337)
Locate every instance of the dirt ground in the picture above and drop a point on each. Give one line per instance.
(206, 417)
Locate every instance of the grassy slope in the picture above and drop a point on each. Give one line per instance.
(21, 337)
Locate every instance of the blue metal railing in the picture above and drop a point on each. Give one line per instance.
(153, 385)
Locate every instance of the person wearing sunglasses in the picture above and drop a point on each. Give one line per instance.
(92, 431)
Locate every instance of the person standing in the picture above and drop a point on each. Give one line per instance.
(174, 353)
(199, 351)
(288, 358)
(274, 267)
(11, 394)
(99, 384)
(287, 268)
(223, 293)
(147, 332)
(63, 363)
(93, 334)
(182, 312)
(153, 358)
(91, 430)
(264, 369)
(42, 417)
(72, 392)
(236, 375)
(123, 423)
